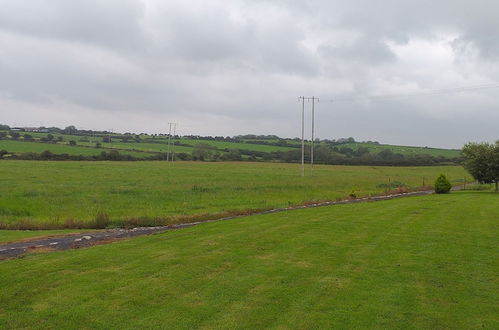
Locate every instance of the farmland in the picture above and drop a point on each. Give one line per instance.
(418, 262)
(405, 150)
(141, 146)
(45, 192)
(58, 148)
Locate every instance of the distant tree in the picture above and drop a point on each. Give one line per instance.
(3, 135)
(442, 185)
(113, 155)
(70, 130)
(183, 156)
(386, 154)
(3, 152)
(4, 127)
(234, 155)
(72, 142)
(15, 135)
(482, 161)
(362, 151)
(98, 144)
(202, 151)
(60, 139)
(50, 137)
(27, 137)
(47, 154)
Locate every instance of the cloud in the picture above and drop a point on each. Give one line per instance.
(234, 67)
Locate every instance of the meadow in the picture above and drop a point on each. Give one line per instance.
(60, 148)
(426, 262)
(405, 150)
(52, 194)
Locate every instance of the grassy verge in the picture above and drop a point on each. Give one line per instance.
(37, 194)
(419, 262)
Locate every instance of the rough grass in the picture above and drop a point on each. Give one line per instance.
(414, 263)
(75, 194)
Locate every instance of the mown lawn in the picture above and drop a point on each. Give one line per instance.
(42, 191)
(414, 263)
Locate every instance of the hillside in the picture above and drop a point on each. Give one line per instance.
(255, 148)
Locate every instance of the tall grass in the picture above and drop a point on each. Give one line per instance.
(102, 194)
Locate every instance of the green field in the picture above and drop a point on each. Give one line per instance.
(147, 147)
(405, 150)
(413, 263)
(59, 148)
(237, 145)
(160, 192)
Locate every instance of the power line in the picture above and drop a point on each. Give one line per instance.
(424, 93)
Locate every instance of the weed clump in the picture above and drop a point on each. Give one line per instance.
(101, 220)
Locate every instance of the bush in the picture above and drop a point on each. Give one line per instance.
(442, 185)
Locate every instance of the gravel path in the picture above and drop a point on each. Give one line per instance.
(75, 241)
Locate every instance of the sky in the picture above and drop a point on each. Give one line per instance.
(238, 67)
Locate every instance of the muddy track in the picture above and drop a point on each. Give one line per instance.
(81, 240)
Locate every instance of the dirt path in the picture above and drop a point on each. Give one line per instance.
(75, 241)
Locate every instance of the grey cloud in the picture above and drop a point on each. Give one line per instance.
(231, 67)
(113, 23)
(363, 50)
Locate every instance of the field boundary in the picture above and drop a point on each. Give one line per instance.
(81, 240)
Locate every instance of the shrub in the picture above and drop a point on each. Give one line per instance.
(442, 185)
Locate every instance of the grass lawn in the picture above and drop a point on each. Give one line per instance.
(43, 191)
(415, 263)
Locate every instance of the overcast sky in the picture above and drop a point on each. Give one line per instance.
(237, 67)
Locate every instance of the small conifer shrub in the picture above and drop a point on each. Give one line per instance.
(442, 185)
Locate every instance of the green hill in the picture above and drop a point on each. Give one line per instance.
(218, 148)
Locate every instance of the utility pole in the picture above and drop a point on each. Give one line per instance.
(174, 137)
(302, 99)
(169, 139)
(312, 145)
